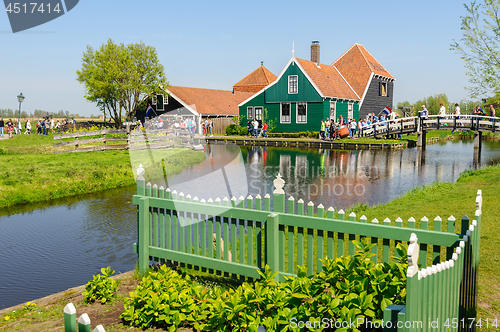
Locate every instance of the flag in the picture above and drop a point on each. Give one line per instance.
(150, 109)
(387, 110)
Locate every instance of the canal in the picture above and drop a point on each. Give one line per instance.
(50, 247)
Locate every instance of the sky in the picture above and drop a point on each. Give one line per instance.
(214, 44)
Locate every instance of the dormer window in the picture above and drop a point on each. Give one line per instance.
(293, 84)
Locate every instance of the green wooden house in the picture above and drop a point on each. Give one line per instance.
(305, 93)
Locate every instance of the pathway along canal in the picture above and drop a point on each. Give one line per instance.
(50, 247)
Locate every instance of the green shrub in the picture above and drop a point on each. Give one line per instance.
(349, 287)
(234, 129)
(164, 299)
(101, 288)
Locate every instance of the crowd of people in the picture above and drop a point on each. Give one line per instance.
(178, 124)
(43, 126)
(334, 128)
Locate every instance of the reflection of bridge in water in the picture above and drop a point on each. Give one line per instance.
(420, 125)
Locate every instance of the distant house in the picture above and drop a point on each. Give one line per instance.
(256, 80)
(196, 103)
(307, 92)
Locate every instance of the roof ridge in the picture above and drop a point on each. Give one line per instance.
(340, 57)
(364, 57)
(264, 72)
(338, 71)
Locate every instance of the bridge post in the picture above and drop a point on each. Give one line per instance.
(478, 136)
(421, 138)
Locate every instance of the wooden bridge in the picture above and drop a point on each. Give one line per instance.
(420, 125)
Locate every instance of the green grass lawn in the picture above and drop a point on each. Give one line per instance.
(31, 172)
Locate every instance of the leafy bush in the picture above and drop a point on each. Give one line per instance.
(165, 299)
(102, 288)
(233, 130)
(349, 287)
(302, 134)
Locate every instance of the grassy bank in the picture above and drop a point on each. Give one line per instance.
(30, 172)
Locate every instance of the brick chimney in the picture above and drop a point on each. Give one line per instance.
(315, 51)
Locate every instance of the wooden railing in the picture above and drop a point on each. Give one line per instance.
(135, 140)
(432, 122)
(77, 143)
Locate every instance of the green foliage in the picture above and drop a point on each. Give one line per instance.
(347, 288)
(432, 103)
(301, 134)
(116, 77)
(235, 130)
(101, 288)
(479, 46)
(164, 298)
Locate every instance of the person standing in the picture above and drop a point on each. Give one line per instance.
(457, 117)
(322, 130)
(256, 128)
(442, 111)
(28, 127)
(492, 114)
(210, 127)
(264, 130)
(2, 125)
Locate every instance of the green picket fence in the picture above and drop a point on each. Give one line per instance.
(70, 322)
(240, 236)
(443, 297)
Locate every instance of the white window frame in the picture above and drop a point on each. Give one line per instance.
(153, 100)
(290, 91)
(290, 113)
(258, 116)
(250, 108)
(297, 113)
(350, 110)
(334, 104)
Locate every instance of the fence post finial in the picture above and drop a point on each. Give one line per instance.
(140, 172)
(413, 252)
(279, 183)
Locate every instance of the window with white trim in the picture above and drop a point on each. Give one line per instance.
(249, 112)
(285, 113)
(293, 81)
(258, 113)
(301, 112)
(350, 110)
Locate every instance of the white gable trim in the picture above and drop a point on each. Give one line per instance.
(310, 80)
(366, 90)
(346, 81)
(251, 97)
(189, 108)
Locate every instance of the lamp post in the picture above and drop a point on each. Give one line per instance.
(20, 98)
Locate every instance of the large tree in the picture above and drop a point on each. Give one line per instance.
(118, 77)
(480, 46)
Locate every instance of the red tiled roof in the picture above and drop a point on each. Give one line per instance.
(328, 80)
(210, 101)
(256, 80)
(356, 65)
